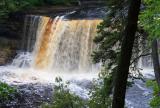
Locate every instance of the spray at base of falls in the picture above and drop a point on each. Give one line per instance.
(54, 47)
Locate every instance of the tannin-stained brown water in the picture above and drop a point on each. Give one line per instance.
(64, 45)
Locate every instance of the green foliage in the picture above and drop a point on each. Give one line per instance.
(14, 5)
(7, 6)
(110, 36)
(109, 41)
(63, 98)
(155, 101)
(150, 18)
(6, 92)
(100, 93)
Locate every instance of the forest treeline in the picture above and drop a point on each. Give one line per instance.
(7, 6)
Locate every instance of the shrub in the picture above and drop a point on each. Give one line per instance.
(6, 92)
(100, 93)
(155, 101)
(63, 98)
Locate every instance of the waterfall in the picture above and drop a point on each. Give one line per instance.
(59, 44)
(29, 32)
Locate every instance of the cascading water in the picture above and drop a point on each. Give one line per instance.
(54, 47)
(31, 24)
(59, 44)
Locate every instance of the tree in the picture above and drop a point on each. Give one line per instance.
(125, 56)
(150, 20)
(155, 59)
(110, 36)
(108, 41)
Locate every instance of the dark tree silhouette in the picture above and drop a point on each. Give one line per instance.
(155, 59)
(125, 56)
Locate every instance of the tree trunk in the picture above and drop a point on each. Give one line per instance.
(155, 59)
(126, 53)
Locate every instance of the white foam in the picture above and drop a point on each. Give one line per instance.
(12, 74)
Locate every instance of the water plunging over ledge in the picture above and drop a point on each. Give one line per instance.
(59, 44)
(54, 47)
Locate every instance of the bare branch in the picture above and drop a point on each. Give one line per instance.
(142, 55)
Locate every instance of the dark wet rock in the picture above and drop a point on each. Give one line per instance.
(34, 78)
(6, 55)
(10, 35)
(88, 13)
(30, 96)
(91, 3)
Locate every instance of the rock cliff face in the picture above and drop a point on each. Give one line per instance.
(91, 3)
(11, 29)
(10, 36)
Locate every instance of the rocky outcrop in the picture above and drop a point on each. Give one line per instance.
(91, 3)
(10, 36)
(6, 55)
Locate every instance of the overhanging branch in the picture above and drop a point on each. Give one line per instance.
(142, 55)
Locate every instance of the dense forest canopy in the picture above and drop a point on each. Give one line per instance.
(7, 6)
(150, 18)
